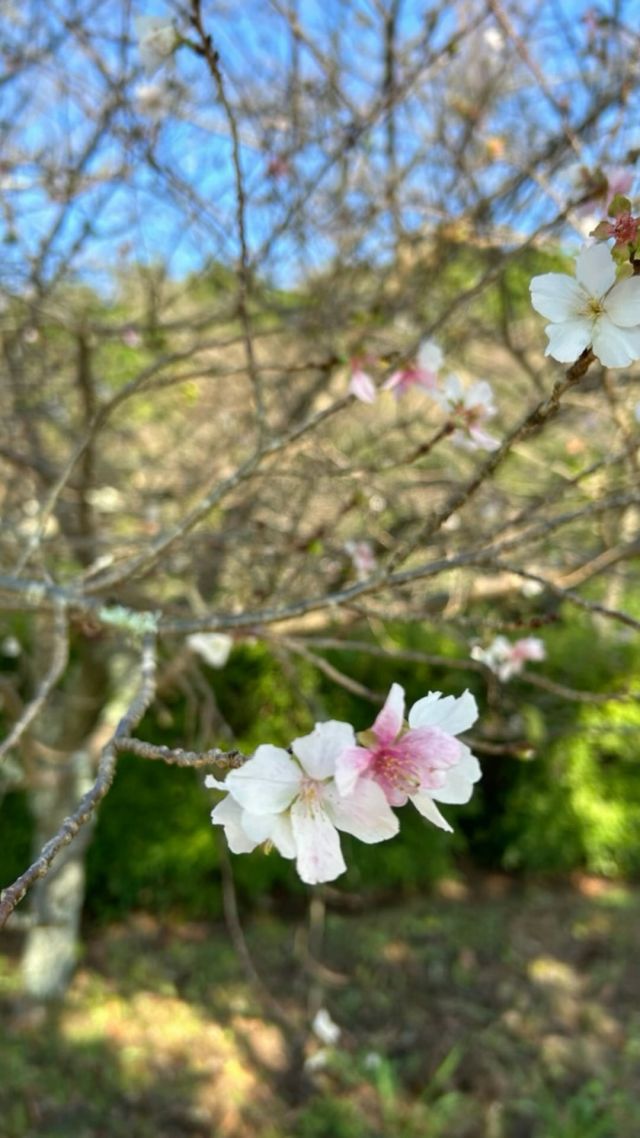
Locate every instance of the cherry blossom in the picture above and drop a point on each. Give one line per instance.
(507, 658)
(591, 309)
(362, 556)
(361, 384)
(468, 409)
(213, 647)
(424, 373)
(422, 762)
(156, 41)
(292, 801)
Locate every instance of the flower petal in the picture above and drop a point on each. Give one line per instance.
(458, 781)
(319, 750)
(557, 296)
(274, 828)
(319, 857)
(366, 813)
(595, 270)
(214, 783)
(389, 721)
(483, 439)
(268, 783)
(350, 765)
(430, 356)
(567, 341)
(622, 304)
(615, 347)
(427, 807)
(229, 814)
(450, 714)
(362, 386)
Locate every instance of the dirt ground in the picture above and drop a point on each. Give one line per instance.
(487, 1010)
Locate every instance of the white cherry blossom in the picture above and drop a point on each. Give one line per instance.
(468, 408)
(213, 647)
(590, 310)
(507, 658)
(292, 801)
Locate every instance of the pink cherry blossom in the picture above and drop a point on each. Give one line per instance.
(507, 658)
(468, 409)
(292, 801)
(421, 762)
(361, 384)
(424, 373)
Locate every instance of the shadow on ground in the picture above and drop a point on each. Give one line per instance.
(487, 1011)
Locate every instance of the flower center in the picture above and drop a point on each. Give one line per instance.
(394, 770)
(595, 307)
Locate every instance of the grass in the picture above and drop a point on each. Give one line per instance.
(487, 1011)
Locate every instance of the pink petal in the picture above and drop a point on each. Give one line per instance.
(389, 722)
(350, 765)
(362, 386)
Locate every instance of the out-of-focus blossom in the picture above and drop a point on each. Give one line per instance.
(361, 384)
(156, 41)
(362, 556)
(590, 310)
(325, 1028)
(468, 408)
(213, 647)
(507, 658)
(131, 338)
(424, 373)
(292, 801)
(421, 762)
(153, 99)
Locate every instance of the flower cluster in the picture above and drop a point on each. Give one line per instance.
(299, 799)
(507, 658)
(466, 409)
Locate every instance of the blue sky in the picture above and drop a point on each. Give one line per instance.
(135, 212)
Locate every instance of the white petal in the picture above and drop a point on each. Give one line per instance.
(615, 347)
(228, 814)
(480, 394)
(282, 836)
(274, 828)
(268, 783)
(623, 303)
(595, 269)
(482, 439)
(458, 782)
(319, 857)
(557, 296)
(450, 714)
(567, 341)
(213, 647)
(366, 813)
(319, 750)
(427, 807)
(214, 783)
(430, 356)
(452, 388)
